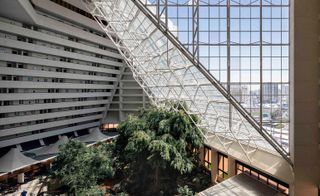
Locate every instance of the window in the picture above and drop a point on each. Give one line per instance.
(7, 77)
(11, 64)
(207, 158)
(7, 103)
(222, 166)
(109, 127)
(245, 46)
(3, 90)
(19, 38)
(68, 49)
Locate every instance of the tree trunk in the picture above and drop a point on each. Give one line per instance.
(156, 182)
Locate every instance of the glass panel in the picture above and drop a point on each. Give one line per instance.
(263, 178)
(225, 164)
(254, 174)
(238, 171)
(220, 161)
(245, 57)
(166, 74)
(283, 189)
(246, 170)
(272, 183)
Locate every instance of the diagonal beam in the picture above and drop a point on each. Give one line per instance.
(223, 91)
(159, 76)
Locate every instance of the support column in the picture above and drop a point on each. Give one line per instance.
(201, 155)
(19, 147)
(231, 167)
(21, 178)
(304, 96)
(42, 142)
(214, 165)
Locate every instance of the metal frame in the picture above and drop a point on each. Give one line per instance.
(168, 72)
(226, 12)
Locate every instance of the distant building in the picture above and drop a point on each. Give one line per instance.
(241, 93)
(285, 90)
(270, 93)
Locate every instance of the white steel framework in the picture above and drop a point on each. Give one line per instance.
(168, 75)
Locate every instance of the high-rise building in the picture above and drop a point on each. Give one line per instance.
(241, 93)
(248, 68)
(270, 93)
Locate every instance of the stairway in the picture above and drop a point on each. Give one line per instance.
(168, 73)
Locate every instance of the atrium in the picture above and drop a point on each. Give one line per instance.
(222, 91)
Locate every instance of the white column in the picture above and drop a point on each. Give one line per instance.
(21, 178)
(19, 147)
(42, 142)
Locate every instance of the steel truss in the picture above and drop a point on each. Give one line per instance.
(169, 74)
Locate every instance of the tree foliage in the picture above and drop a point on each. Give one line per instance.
(156, 151)
(184, 191)
(79, 167)
(155, 147)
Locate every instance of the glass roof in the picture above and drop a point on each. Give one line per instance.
(166, 74)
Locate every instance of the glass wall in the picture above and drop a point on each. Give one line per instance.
(245, 45)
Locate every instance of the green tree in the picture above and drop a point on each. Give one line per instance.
(155, 147)
(184, 191)
(79, 167)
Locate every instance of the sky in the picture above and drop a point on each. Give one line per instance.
(244, 38)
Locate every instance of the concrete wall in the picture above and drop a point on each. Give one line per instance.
(305, 66)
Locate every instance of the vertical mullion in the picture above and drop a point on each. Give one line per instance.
(228, 62)
(166, 13)
(158, 10)
(195, 29)
(260, 46)
(281, 80)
